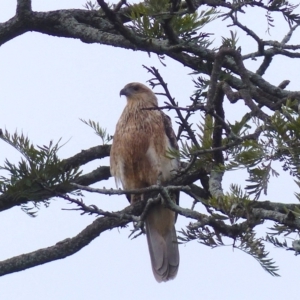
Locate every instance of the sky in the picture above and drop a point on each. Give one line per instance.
(47, 85)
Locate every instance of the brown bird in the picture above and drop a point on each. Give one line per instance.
(138, 159)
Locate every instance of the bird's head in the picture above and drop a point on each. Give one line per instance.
(136, 91)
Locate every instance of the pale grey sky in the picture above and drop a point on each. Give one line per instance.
(47, 84)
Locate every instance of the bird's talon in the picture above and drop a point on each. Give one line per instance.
(137, 226)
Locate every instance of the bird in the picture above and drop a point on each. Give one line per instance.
(138, 159)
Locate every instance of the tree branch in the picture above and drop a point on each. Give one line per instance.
(68, 246)
(23, 6)
(93, 27)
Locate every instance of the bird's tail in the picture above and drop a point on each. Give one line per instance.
(162, 243)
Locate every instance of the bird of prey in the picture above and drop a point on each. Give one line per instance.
(139, 159)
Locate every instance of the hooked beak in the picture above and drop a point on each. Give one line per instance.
(123, 92)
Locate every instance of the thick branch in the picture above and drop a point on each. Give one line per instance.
(69, 246)
(86, 156)
(8, 201)
(93, 27)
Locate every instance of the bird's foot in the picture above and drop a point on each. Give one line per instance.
(138, 226)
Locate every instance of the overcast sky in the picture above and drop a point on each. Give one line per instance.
(47, 84)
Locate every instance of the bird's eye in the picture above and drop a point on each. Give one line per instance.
(136, 88)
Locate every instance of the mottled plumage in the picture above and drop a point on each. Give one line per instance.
(138, 159)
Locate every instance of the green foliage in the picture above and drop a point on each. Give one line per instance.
(279, 142)
(188, 26)
(272, 239)
(205, 236)
(297, 194)
(101, 132)
(232, 204)
(254, 156)
(246, 241)
(230, 42)
(185, 150)
(148, 21)
(240, 128)
(248, 154)
(173, 153)
(89, 5)
(284, 136)
(237, 200)
(259, 177)
(38, 170)
(143, 18)
(284, 245)
(204, 135)
(255, 247)
(279, 229)
(206, 129)
(200, 94)
(286, 8)
(188, 150)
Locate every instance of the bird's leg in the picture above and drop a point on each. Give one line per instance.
(140, 224)
(159, 183)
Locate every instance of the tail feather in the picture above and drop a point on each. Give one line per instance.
(173, 253)
(162, 243)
